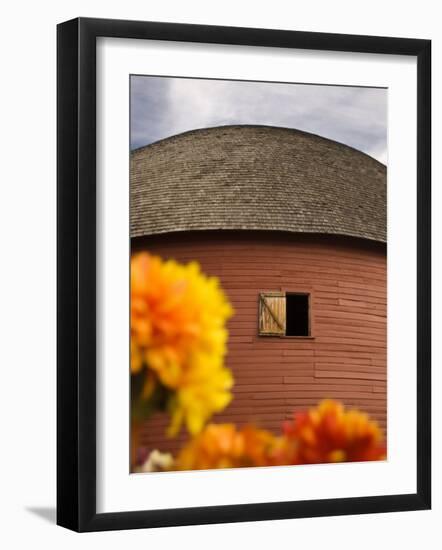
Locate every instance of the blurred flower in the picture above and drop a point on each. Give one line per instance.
(156, 462)
(178, 338)
(226, 446)
(329, 433)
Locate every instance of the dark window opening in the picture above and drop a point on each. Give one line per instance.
(297, 315)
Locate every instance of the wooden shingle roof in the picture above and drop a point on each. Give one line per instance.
(256, 177)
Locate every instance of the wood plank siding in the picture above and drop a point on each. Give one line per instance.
(345, 357)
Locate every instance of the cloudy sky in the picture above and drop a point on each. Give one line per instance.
(162, 107)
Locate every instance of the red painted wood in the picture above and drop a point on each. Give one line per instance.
(345, 359)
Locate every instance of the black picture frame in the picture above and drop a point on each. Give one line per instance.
(76, 274)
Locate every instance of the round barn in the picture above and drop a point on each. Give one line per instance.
(294, 226)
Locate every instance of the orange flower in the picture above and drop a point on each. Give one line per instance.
(178, 335)
(225, 446)
(329, 433)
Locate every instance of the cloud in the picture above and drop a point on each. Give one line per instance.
(161, 107)
(149, 107)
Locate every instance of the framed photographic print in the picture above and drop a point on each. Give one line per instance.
(243, 274)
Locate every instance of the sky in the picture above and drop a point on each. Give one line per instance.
(165, 106)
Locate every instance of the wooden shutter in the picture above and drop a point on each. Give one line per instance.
(272, 314)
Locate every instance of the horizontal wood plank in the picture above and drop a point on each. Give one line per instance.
(274, 376)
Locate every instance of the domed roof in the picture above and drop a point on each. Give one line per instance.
(256, 177)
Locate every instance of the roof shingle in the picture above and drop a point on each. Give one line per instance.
(256, 177)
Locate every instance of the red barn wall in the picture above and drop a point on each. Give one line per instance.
(345, 357)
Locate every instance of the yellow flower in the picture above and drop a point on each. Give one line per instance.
(226, 446)
(178, 333)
